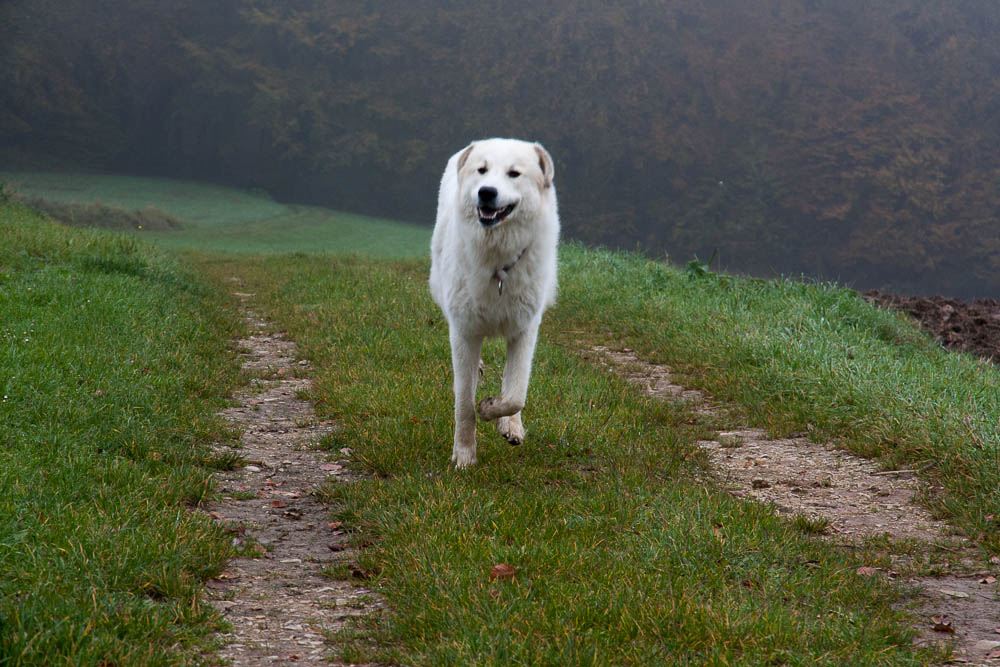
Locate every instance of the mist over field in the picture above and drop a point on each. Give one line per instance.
(847, 140)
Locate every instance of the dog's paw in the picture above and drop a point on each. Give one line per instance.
(487, 409)
(511, 429)
(493, 408)
(463, 458)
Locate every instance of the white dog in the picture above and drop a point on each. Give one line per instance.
(493, 272)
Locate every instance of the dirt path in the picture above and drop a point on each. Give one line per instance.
(849, 499)
(284, 610)
(281, 606)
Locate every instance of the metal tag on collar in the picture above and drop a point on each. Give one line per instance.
(499, 287)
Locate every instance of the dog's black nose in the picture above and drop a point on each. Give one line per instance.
(487, 195)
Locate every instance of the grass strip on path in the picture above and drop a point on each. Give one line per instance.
(112, 363)
(624, 551)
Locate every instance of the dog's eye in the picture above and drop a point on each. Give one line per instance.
(513, 173)
(482, 170)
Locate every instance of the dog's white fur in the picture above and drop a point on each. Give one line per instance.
(468, 261)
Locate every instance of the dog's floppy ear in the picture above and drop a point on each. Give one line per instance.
(545, 162)
(465, 156)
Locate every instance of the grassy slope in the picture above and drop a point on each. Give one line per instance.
(112, 360)
(226, 219)
(815, 358)
(626, 554)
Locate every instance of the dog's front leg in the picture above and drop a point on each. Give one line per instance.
(465, 352)
(514, 391)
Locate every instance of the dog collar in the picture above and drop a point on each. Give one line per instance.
(501, 274)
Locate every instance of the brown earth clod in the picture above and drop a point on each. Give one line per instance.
(959, 325)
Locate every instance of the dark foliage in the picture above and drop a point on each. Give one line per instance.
(848, 140)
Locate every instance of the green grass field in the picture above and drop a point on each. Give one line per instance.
(626, 550)
(226, 219)
(113, 361)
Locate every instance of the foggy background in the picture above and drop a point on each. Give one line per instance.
(843, 139)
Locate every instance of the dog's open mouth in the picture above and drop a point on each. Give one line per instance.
(489, 216)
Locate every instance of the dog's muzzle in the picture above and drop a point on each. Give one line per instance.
(489, 216)
(489, 213)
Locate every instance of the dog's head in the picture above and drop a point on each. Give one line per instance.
(499, 179)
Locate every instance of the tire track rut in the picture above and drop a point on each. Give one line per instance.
(281, 606)
(856, 500)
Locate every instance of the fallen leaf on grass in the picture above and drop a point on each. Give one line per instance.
(502, 571)
(988, 580)
(334, 525)
(866, 571)
(995, 560)
(942, 624)
(279, 503)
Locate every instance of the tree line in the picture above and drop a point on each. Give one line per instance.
(842, 139)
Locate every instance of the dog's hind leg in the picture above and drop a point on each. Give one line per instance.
(514, 390)
(465, 365)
